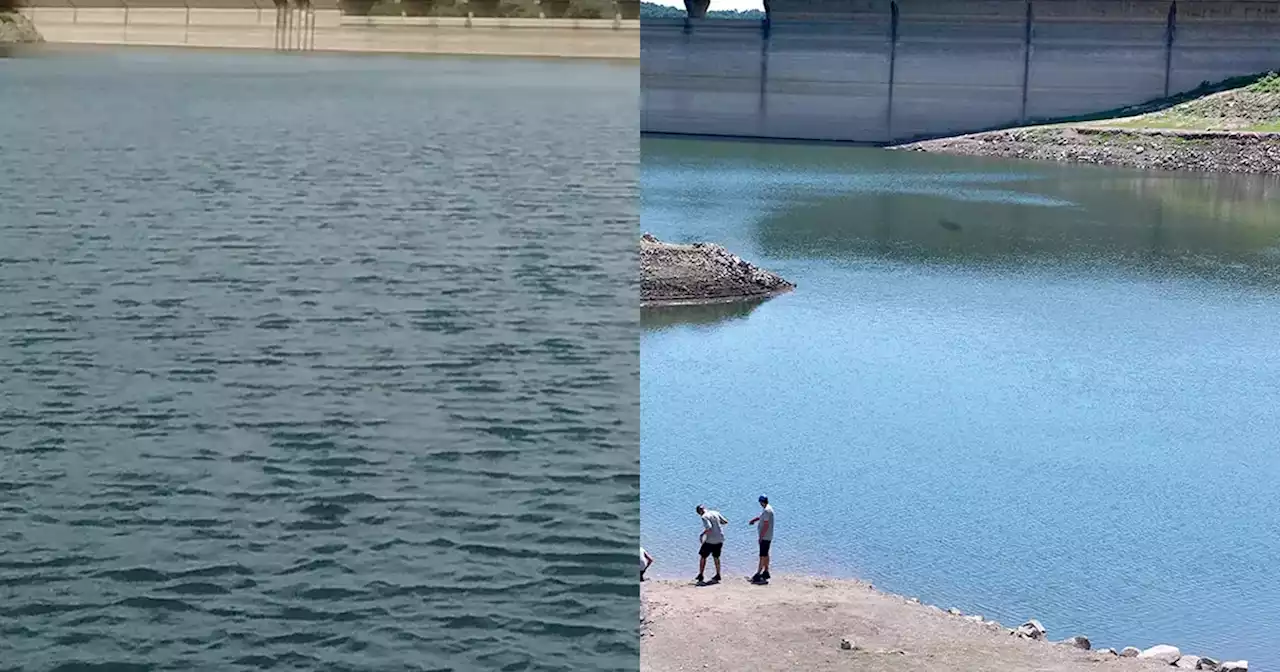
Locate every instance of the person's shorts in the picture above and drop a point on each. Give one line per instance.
(712, 550)
(764, 547)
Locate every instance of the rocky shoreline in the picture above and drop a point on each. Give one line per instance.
(1165, 653)
(1154, 149)
(17, 29)
(824, 625)
(700, 273)
(1217, 129)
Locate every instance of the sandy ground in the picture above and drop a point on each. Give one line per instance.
(796, 623)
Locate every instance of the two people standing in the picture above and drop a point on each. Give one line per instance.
(712, 539)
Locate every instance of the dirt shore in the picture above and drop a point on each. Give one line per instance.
(1163, 149)
(1236, 131)
(797, 623)
(701, 273)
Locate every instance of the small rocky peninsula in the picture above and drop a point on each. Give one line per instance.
(17, 29)
(700, 273)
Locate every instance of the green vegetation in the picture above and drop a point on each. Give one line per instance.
(1268, 83)
(649, 10)
(1252, 105)
(515, 9)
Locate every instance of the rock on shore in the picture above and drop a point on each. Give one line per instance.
(700, 273)
(17, 29)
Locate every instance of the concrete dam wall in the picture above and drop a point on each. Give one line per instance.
(322, 26)
(882, 71)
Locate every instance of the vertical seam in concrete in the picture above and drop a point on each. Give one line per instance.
(1170, 28)
(893, 59)
(764, 69)
(1026, 60)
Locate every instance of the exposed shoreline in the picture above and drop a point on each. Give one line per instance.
(700, 274)
(1149, 149)
(803, 622)
(1226, 131)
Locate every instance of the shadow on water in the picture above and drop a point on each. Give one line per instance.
(656, 319)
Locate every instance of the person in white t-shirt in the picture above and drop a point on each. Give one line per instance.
(712, 539)
(645, 561)
(766, 540)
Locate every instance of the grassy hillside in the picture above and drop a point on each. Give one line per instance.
(1252, 107)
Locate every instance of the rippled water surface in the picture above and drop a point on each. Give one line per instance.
(1022, 390)
(316, 363)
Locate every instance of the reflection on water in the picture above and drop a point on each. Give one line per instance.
(953, 210)
(703, 315)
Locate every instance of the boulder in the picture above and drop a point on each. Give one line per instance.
(1078, 642)
(1163, 653)
(976, 618)
(1108, 652)
(1129, 652)
(1188, 662)
(1234, 666)
(955, 612)
(1207, 663)
(1030, 630)
(847, 644)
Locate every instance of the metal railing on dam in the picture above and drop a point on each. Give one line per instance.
(885, 71)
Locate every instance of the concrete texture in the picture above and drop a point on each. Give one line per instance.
(879, 71)
(256, 29)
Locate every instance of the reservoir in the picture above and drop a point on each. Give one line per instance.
(1022, 390)
(317, 362)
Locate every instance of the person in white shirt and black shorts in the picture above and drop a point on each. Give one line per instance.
(766, 540)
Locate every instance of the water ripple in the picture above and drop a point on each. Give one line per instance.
(317, 369)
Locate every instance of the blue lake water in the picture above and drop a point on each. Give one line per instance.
(317, 363)
(1023, 390)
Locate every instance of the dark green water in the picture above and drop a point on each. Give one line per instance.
(316, 363)
(1022, 390)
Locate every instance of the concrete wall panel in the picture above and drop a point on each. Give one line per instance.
(1211, 50)
(709, 78)
(1089, 65)
(969, 63)
(829, 80)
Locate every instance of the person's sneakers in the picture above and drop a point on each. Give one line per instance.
(765, 575)
(699, 579)
(715, 579)
(756, 578)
